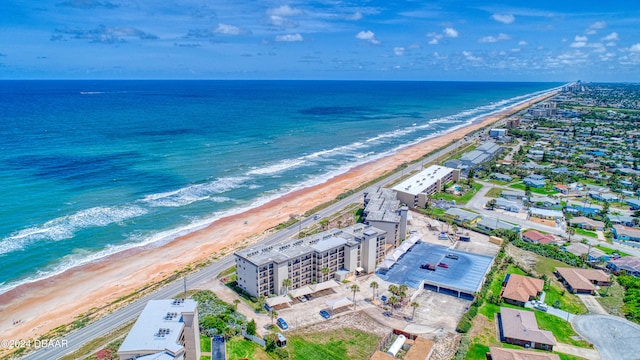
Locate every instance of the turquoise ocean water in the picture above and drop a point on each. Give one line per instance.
(90, 168)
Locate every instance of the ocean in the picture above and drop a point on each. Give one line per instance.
(91, 168)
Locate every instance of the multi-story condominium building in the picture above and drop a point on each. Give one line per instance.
(383, 210)
(166, 329)
(331, 254)
(415, 191)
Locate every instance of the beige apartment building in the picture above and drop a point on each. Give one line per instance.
(331, 254)
(416, 190)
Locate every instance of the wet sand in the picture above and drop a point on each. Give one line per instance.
(46, 304)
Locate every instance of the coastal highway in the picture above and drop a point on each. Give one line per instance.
(120, 317)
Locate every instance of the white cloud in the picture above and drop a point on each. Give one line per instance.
(503, 18)
(227, 29)
(356, 16)
(598, 25)
(284, 10)
(469, 56)
(579, 41)
(399, 51)
(611, 37)
(522, 43)
(368, 36)
(610, 43)
(289, 38)
(450, 32)
(433, 41)
(493, 39)
(635, 48)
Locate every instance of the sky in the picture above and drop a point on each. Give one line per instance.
(453, 40)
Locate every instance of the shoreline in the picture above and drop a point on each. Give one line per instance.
(45, 304)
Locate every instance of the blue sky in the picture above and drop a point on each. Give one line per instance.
(332, 39)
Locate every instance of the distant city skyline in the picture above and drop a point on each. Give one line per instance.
(367, 40)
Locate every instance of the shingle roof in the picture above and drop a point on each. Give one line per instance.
(580, 279)
(522, 325)
(521, 288)
(538, 237)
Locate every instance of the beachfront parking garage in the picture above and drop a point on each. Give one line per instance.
(440, 269)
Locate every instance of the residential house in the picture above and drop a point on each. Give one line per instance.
(538, 238)
(633, 203)
(582, 281)
(586, 223)
(496, 353)
(624, 233)
(535, 181)
(504, 204)
(490, 224)
(535, 154)
(602, 196)
(519, 327)
(629, 264)
(546, 214)
(622, 220)
(592, 253)
(577, 209)
(518, 289)
(463, 216)
(512, 195)
(501, 177)
(562, 189)
(166, 329)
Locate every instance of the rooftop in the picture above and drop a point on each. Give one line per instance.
(521, 288)
(417, 183)
(297, 247)
(522, 325)
(159, 327)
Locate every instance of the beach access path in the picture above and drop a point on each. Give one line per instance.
(76, 292)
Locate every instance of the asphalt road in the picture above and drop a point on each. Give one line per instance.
(125, 314)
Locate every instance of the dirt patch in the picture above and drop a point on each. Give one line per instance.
(525, 258)
(551, 223)
(446, 346)
(358, 320)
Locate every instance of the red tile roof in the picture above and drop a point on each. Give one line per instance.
(537, 237)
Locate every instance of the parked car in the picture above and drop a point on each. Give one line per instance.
(443, 265)
(283, 324)
(431, 267)
(452, 256)
(268, 308)
(540, 306)
(324, 314)
(302, 298)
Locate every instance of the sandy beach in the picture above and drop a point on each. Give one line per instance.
(43, 305)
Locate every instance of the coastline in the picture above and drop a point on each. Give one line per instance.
(48, 303)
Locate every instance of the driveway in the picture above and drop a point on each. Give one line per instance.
(615, 338)
(585, 353)
(592, 304)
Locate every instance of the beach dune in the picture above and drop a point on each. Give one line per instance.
(43, 305)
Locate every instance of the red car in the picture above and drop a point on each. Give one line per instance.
(443, 265)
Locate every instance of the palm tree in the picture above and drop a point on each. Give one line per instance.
(402, 291)
(325, 272)
(414, 305)
(393, 289)
(374, 285)
(261, 301)
(570, 231)
(273, 315)
(393, 301)
(235, 304)
(286, 283)
(355, 288)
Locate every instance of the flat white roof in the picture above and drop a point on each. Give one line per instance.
(158, 327)
(422, 180)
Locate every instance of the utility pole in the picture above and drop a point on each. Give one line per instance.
(185, 288)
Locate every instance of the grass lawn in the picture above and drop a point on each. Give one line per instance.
(475, 187)
(494, 193)
(336, 344)
(610, 251)
(240, 348)
(205, 357)
(205, 343)
(566, 301)
(560, 328)
(612, 302)
(567, 356)
(477, 352)
(543, 191)
(586, 233)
